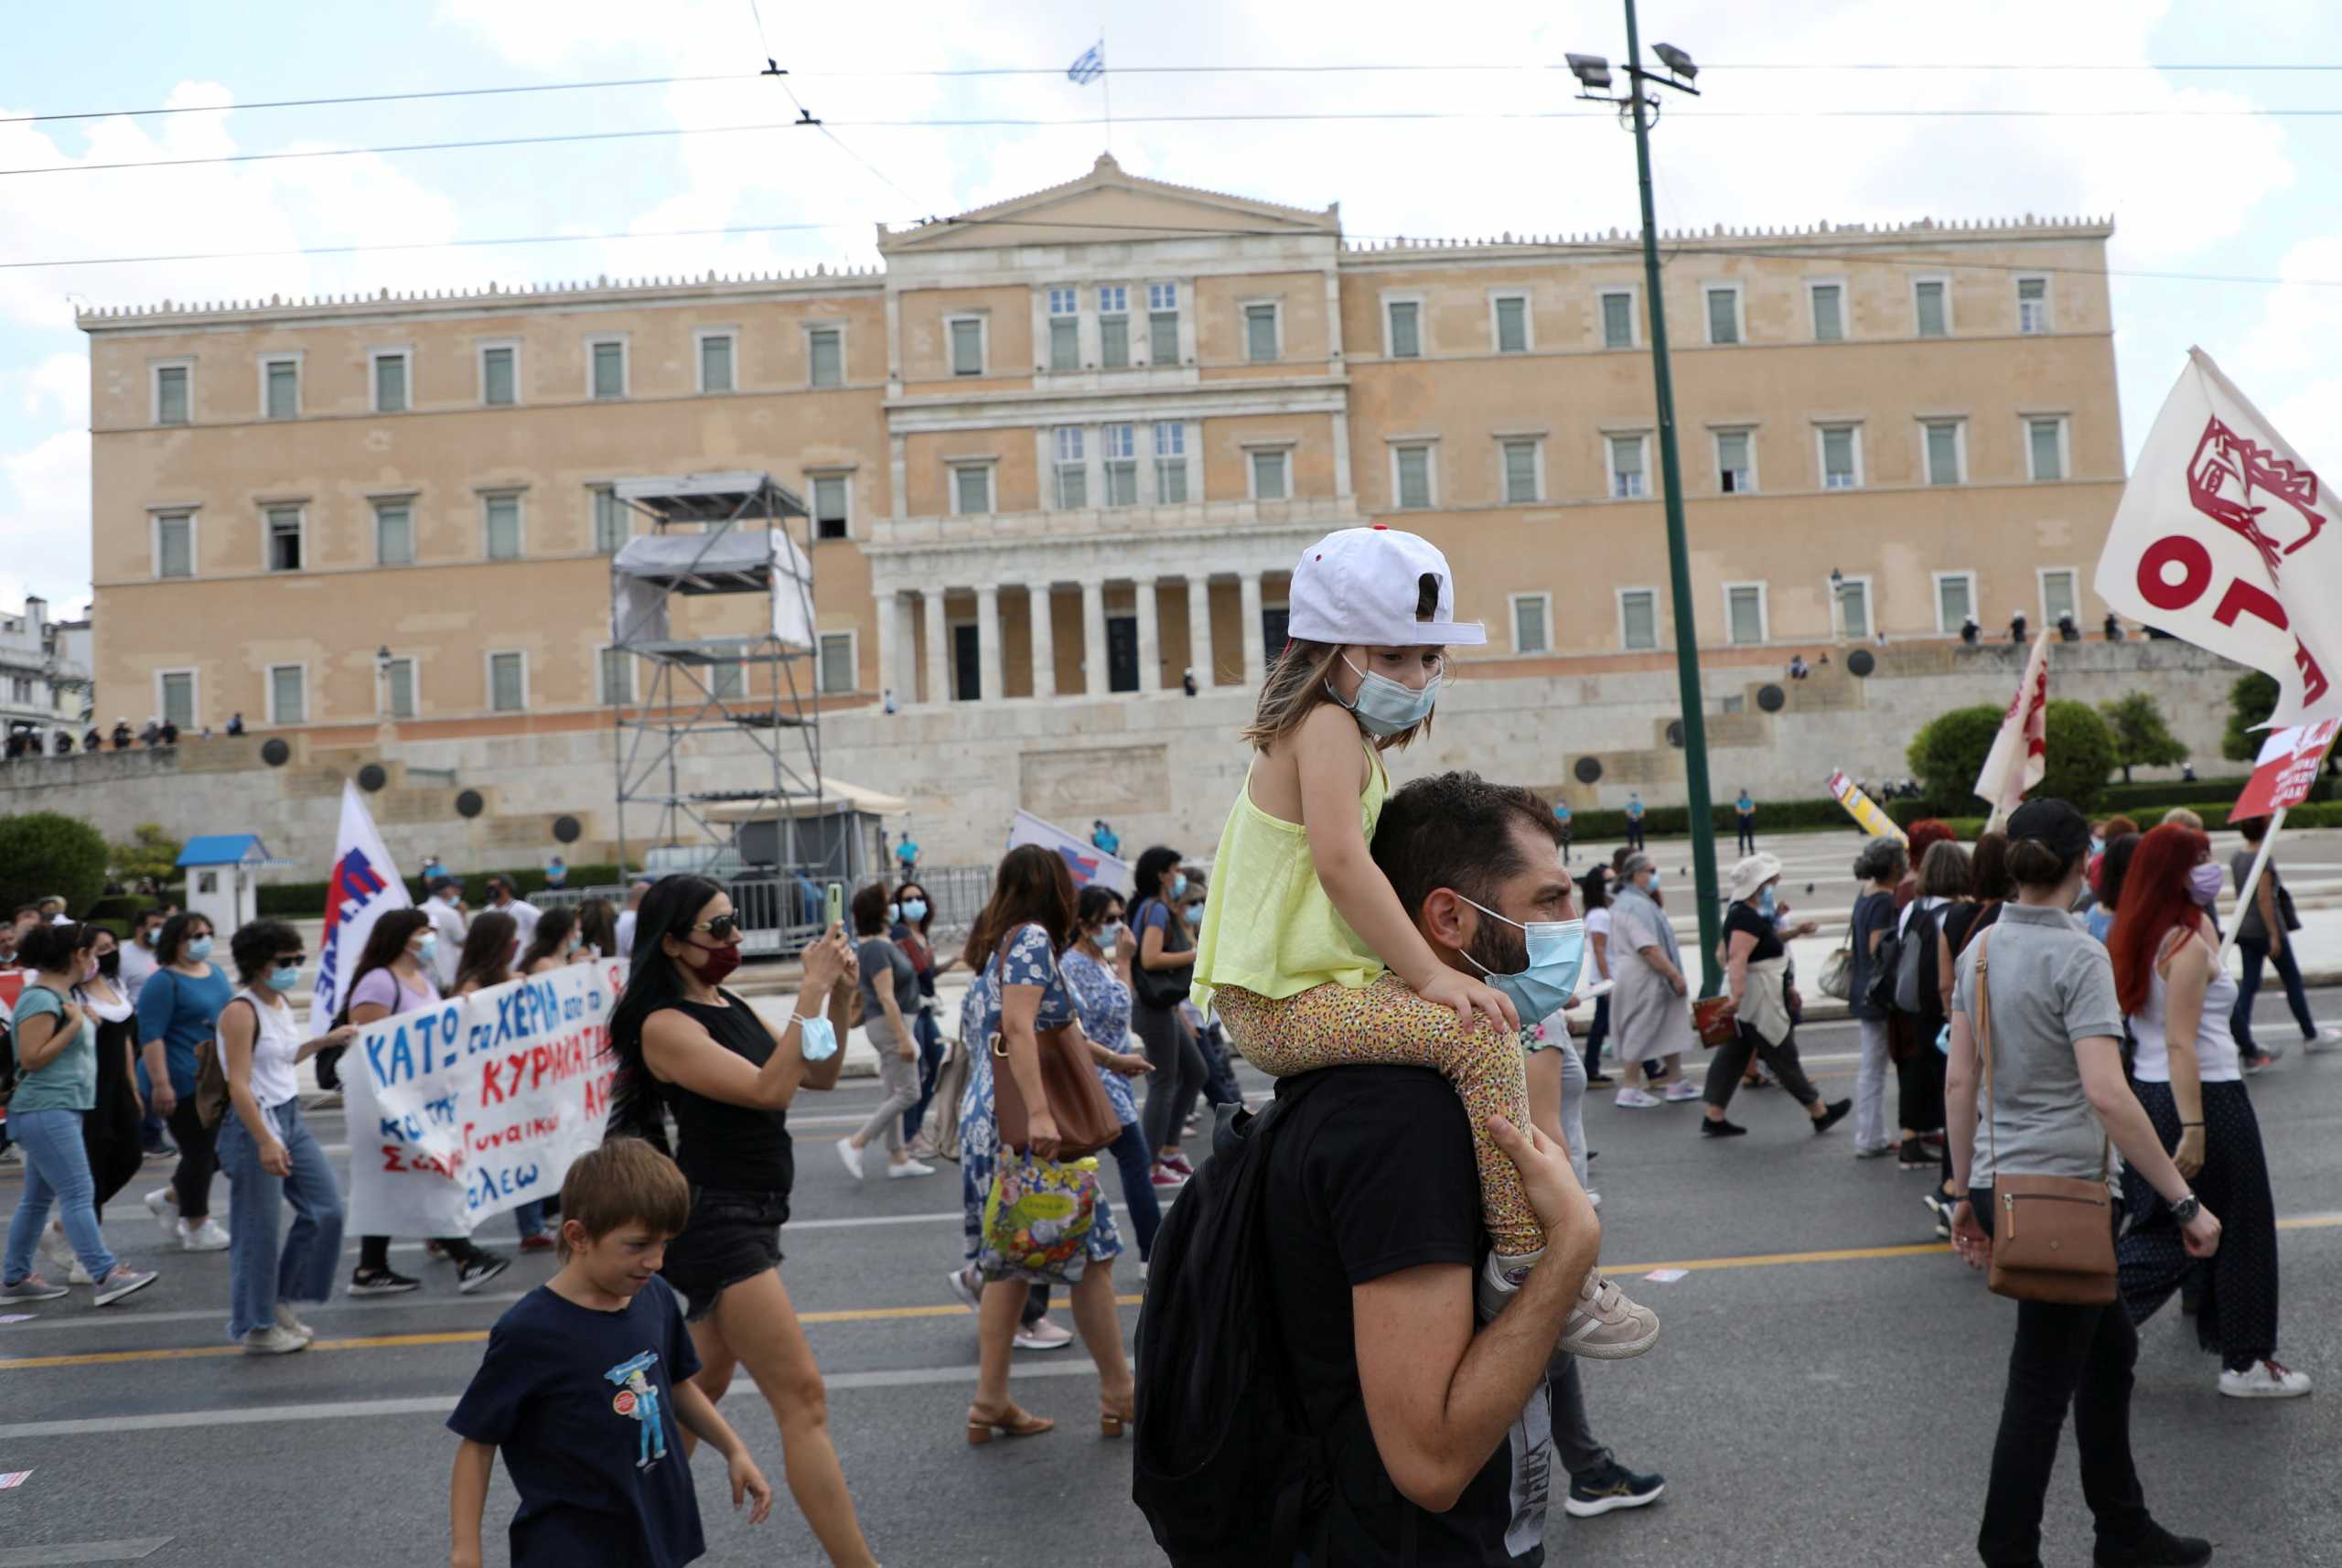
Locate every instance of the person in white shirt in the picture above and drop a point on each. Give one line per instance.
(634, 892)
(452, 922)
(53, 909)
(525, 914)
(138, 953)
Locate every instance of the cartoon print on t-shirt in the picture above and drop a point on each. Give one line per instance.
(637, 1399)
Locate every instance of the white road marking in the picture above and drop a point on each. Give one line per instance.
(130, 1550)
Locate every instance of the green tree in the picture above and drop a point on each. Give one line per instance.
(148, 851)
(42, 853)
(1949, 752)
(2082, 752)
(2141, 738)
(2250, 701)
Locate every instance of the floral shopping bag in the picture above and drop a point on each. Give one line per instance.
(1037, 1216)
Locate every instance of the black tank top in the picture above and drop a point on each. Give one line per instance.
(724, 1145)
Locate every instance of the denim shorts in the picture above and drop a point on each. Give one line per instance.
(732, 1235)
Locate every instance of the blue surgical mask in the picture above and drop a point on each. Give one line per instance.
(149, 935)
(817, 1038)
(894, 913)
(914, 911)
(1180, 885)
(1556, 952)
(1764, 903)
(426, 948)
(1652, 885)
(284, 978)
(199, 949)
(1384, 706)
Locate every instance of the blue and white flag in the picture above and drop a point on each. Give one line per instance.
(1085, 863)
(363, 884)
(1090, 66)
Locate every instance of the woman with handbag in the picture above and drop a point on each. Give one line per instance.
(1757, 967)
(1159, 981)
(1097, 969)
(1033, 1100)
(2036, 1023)
(1879, 868)
(2264, 935)
(2187, 1071)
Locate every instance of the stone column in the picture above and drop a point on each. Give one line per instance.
(1199, 630)
(1045, 641)
(1256, 661)
(885, 632)
(988, 639)
(939, 666)
(1150, 640)
(1094, 638)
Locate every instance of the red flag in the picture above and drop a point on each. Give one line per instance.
(2288, 766)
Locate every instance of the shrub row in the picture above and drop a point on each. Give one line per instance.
(2127, 799)
(308, 899)
(1675, 822)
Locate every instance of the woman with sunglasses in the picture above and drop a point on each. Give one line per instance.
(685, 1045)
(267, 1152)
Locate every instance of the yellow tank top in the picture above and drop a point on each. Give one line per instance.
(1269, 925)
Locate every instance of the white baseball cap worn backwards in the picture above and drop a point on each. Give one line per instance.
(1365, 586)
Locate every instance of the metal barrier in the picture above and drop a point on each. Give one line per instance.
(780, 912)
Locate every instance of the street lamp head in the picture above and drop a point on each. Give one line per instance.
(1837, 578)
(1676, 60)
(1593, 71)
(382, 659)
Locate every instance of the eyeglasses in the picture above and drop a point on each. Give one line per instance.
(723, 928)
(296, 959)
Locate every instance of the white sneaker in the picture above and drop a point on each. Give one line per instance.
(909, 1168)
(2327, 1039)
(1594, 1198)
(923, 1146)
(966, 1286)
(205, 1237)
(292, 1324)
(162, 1203)
(56, 1251)
(273, 1340)
(1043, 1335)
(1679, 1093)
(851, 1157)
(1633, 1100)
(2265, 1380)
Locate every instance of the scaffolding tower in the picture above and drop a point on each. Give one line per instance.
(734, 696)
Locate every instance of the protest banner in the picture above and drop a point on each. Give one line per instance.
(2020, 754)
(477, 1105)
(363, 884)
(1085, 860)
(1864, 809)
(2219, 540)
(2288, 766)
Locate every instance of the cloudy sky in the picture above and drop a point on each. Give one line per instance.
(2228, 235)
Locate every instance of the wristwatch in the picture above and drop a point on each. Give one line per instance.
(2187, 1208)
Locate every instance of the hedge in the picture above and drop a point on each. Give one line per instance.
(309, 898)
(2128, 800)
(1675, 822)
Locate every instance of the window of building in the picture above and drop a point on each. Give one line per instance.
(1121, 443)
(1955, 600)
(1617, 319)
(1511, 323)
(1065, 329)
(1072, 468)
(1162, 323)
(1723, 312)
(280, 382)
(2058, 596)
(727, 678)
(1522, 482)
(1627, 467)
(1829, 301)
(716, 349)
(1932, 299)
(283, 527)
(617, 676)
(391, 372)
(2032, 305)
(1735, 461)
(1404, 328)
(20, 689)
(607, 358)
(1639, 619)
(1532, 615)
(1115, 326)
(830, 501)
(1262, 336)
(967, 345)
(1744, 612)
(1269, 476)
(507, 683)
(1171, 462)
(398, 689)
(825, 354)
(1410, 477)
(613, 520)
(1841, 456)
(499, 375)
(839, 666)
(1854, 607)
(1944, 451)
(503, 516)
(176, 696)
(2045, 442)
(174, 393)
(175, 545)
(288, 694)
(971, 490)
(395, 532)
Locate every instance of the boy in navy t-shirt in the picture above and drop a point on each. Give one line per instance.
(585, 1383)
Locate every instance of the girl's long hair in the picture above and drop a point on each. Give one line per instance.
(486, 957)
(1031, 888)
(552, 930)
(1297, 683)
(394, 928)
(2155, 899)
(670, 909)
(597, 926)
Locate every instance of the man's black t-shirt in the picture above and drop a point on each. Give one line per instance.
(1744, 917)
(1374, 1174)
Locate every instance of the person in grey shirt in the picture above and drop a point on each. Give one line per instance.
(889, 997)
(2058, 1096)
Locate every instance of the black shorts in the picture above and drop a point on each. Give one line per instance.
(731, 1236)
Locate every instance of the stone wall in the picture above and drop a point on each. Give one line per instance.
(1161, 767)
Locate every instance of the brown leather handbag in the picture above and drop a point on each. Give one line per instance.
(2053, 1237)
(1072, 1093)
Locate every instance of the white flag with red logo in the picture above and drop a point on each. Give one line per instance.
(2220, 540)
(362, 884)
(2287, 767)
(2020, 754)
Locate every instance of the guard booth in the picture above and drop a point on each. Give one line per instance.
(222, 877)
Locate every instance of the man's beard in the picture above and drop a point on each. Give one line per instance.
(1497, 948)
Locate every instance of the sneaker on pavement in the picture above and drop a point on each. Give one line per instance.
(1043, 1335)
(32, 1287)
(1167, 1178)
(162, 1203)
(75, 1274)
(1915, 1156)
(1178, 1162)
(292, 1324)
(2324, 1040)
(2264, 1381)
(1599, 1080)
(923, 1146)
(1837, 1110)
(1873, 1151)
(850, 1158)
(1940, 1207)
(56, 1250)
(273, 1340)
(1722, 1128)
(1633, 1100)
(380, 1282)
(2157, 1549)
(478, 1269)
(1604, 1326)
(2262, 1061)
(1611, 1486)
(204, 1236)
(907, 1169)
(541, 1241)
(122, 1283)
(1679, 1093)
(966, 1286)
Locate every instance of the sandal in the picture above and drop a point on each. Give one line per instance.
(1116, 1417)
(1010, 1423)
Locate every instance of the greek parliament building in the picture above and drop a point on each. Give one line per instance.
(1066, 450)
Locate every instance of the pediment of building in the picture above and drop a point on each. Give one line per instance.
(1107, 206)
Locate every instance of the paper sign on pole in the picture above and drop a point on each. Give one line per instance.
(479, 1105)
(2220, 539)
(2020, 754)
(1864, 809)
(1085, 860)
(362, 884)
(2288, 766)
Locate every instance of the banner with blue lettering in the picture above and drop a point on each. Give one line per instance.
(477, 1105)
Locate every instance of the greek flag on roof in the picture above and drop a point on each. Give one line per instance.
(1090, 66)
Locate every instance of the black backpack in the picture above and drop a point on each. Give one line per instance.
(1225, 1467)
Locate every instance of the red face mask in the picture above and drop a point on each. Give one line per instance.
(712, 964)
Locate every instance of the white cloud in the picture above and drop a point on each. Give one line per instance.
(2286, 364)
